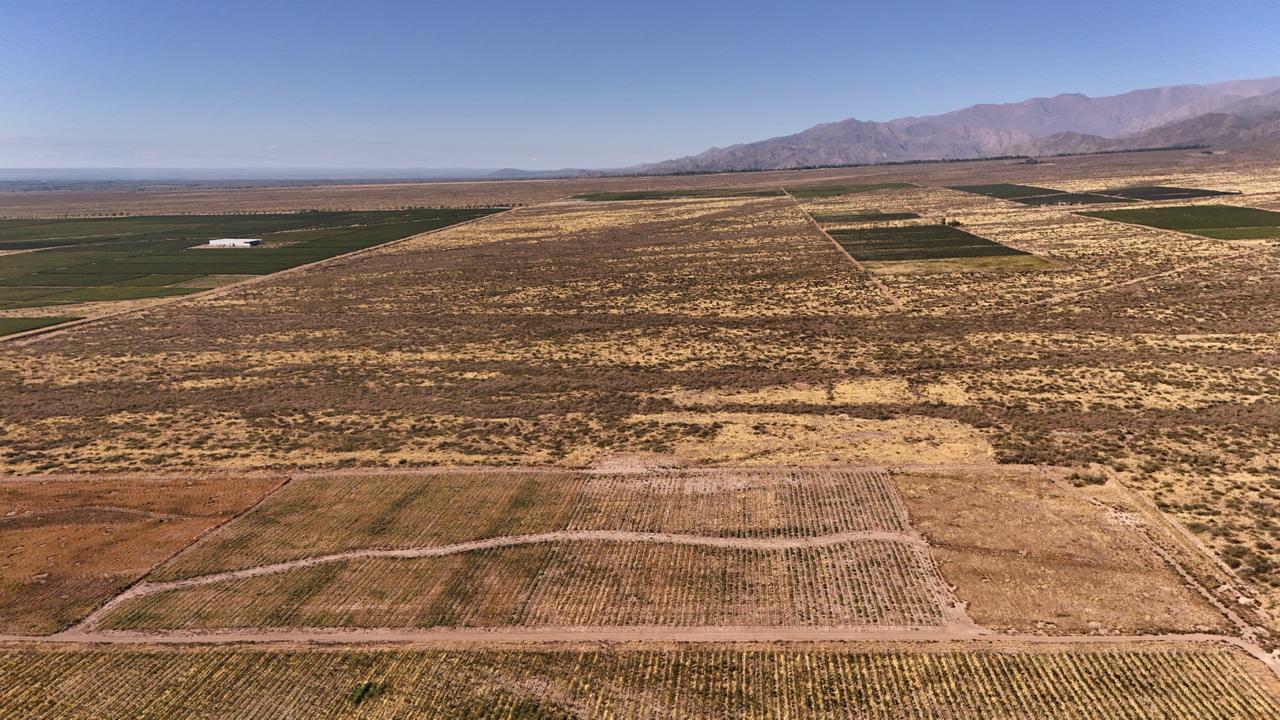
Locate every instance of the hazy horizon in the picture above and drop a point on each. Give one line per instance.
(400, 87)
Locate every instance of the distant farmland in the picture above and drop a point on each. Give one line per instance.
(1224, 222)
(130, 258)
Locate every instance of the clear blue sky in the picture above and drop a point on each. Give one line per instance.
(548, 84)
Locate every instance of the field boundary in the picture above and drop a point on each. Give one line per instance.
(429, 470)
(223, 290)
(1248, 251)
(879, 284)
(635, 634)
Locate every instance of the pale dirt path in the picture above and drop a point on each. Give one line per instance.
(879, 284)
(372, 470)
(144, 588)
(223, 290)
(559, 635)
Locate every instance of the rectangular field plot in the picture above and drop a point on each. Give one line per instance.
(1226, 222)
(150, 257)
(1006, 191)
(71, 544)
(809, 192)
(689, 193)
(1029, 556)
(1161, 192)
(1068, 199)
(917, 242)
(330, 515)
(930, 248)
(1032, 195)
(1150, 682)
(579, 583)
(11, 325)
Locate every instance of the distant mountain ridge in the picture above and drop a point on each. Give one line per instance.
(1221, 113)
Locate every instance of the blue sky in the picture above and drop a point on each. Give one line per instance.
(549, 84)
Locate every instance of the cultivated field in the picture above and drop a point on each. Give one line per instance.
(83, 264)
(1142, 683)
(1000, 437)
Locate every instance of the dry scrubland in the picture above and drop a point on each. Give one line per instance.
(1138, 368)
(883, 683)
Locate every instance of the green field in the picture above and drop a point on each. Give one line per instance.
(1033, 195)
(1067, 199)
(809, 192)
(11, 325)
(688, 193)
(1006, 191)
(1226, 222)
(917, 242)
(145, 257)
(1161, 192)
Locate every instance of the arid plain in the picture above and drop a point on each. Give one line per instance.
(831, 443)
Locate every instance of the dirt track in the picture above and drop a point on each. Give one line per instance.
(489, 637)
(879, 285)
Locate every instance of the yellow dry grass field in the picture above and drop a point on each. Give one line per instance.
(1028, 555)
(1147, 682)
(69, 545)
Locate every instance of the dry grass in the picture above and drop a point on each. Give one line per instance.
(1028, 555)
(724, 331)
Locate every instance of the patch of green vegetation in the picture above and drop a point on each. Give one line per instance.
(1240, 233)
(1006, 191)
(688, 193)
(152, 254)
(11, 325)
(29, 293)
(103, 294)
(1067, 199)
(156, 280)
(840, 218)
(917, 242)
(1161, 192)
(808, 192)
(1193, 218)
(367, 690)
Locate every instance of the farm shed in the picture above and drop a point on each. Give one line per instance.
(235, 242)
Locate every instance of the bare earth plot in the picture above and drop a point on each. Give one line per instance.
(71, 544)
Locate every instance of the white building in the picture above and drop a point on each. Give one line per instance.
(235, 242)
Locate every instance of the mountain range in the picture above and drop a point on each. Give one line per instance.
(1228, 113)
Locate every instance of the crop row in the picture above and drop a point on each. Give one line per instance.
(328, 515)
(875, 583)
(696, 682)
